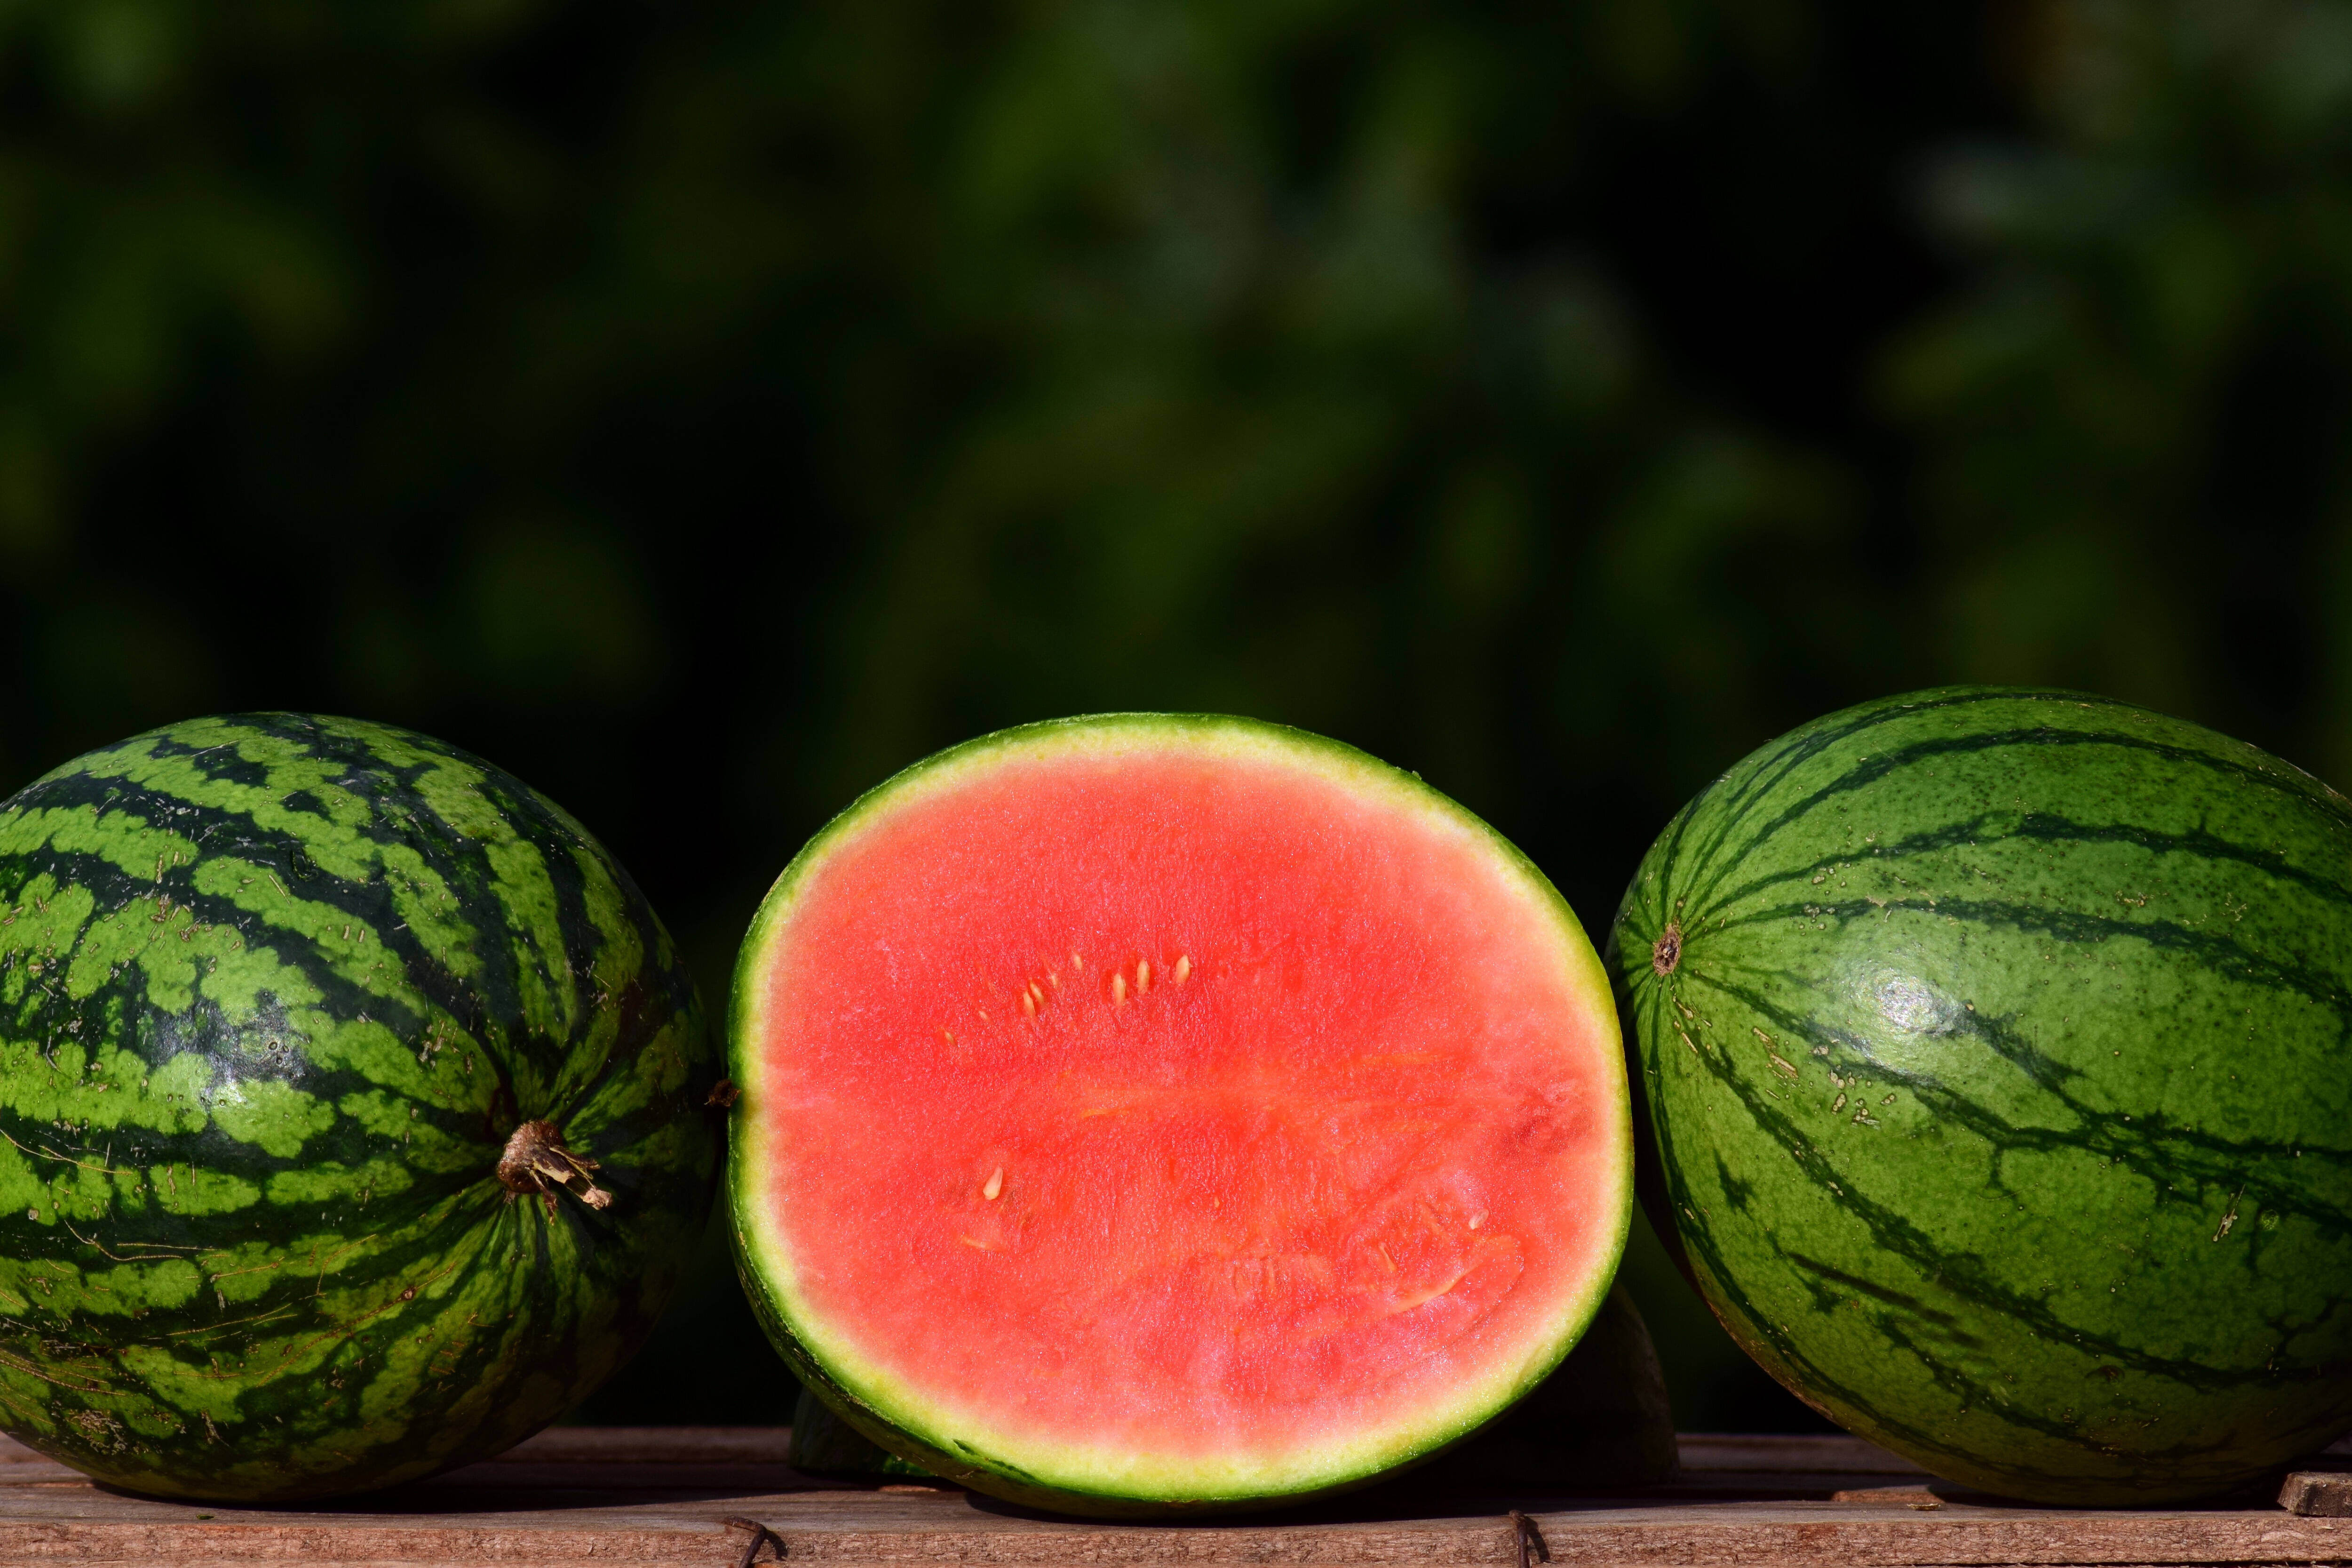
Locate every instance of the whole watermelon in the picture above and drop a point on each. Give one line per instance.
(351, 1109)
(1995, 1045)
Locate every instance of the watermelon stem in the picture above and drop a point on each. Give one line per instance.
(536, 1161)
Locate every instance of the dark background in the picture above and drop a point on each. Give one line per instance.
(705, 411)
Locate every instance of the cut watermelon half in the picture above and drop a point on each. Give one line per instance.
(1145, 1113)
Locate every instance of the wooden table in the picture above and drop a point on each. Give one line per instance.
(702, 1497)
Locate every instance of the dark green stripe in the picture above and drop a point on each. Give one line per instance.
(2045, 828)
(1765, 770)
(1920, 752)
(2224, 957)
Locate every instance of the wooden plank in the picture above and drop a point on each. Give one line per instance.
(2320, 1494)
(663, 1499)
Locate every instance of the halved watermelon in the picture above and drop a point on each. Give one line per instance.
(1146, 1112)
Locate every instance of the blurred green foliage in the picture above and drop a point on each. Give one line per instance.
(707, 410)
(2132, 415)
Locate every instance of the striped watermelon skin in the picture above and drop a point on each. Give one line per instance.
(1994, 1047)
(276, 993)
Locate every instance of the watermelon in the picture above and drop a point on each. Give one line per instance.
(350, 1110)
(1994, 1047)
(1146, 1113)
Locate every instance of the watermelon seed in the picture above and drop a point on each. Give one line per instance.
(1142, 975)
(1118, 989)
(1183, 968)
(995, 1184)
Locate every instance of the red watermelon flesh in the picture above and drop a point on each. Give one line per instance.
(1150, 1111)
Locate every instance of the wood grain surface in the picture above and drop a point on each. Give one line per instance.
(700, 1496)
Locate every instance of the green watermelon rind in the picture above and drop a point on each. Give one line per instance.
(274, 989)
(896, 1419)
(2114, 1277)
